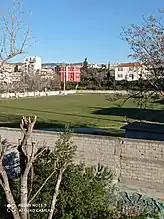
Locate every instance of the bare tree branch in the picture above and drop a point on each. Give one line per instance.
(12, 27)
(4, 182)
(56, 193)
(41, 187)
(147, 45)
(40, 153)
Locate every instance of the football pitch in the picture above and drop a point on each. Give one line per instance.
(85, 110)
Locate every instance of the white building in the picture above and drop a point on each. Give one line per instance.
(94, 65)
(32, 64)
(112, 66)
(128, 72)
(47, 73)
(10, 77)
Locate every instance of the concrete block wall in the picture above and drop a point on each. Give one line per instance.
(138, 165)
(54, 93)
(142, 166)
(35, 94)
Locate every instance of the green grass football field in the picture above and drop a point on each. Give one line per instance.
(80, 110)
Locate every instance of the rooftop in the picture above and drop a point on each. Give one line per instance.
(130, 64)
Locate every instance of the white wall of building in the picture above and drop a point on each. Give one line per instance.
(32, 64)
(66, 76)
(127, 73)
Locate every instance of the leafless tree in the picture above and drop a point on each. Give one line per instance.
(38, 82)
(147, 44)
(12, 29)
(55, 83)
(26, 159)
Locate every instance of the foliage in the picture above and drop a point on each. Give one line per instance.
(85, 64)
(3, 203)
(103, 78)
(85, 192)
(140, 206)
(52, 162)
(82, 190)
(34, 82)
(14, 184)
(94, 79)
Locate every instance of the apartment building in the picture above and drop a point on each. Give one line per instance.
(46, 73)
(10, 77)
(70, 73)
(95, 65)
(128, 72)
(8, 74)
(32, 64)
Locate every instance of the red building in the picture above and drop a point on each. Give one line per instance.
(71, 73)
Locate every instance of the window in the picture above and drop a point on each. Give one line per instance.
(120, 75)
(131, 76)
(131, 68)
(120, 68)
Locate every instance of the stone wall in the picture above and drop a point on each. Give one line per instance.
(138, 164)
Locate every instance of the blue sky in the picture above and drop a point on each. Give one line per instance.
(70, 30)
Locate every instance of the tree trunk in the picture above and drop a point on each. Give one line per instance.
(9, 196)
(27, 160)
(24, 193)
(56, 193)
(23, 198)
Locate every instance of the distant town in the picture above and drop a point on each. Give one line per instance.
(71, 72)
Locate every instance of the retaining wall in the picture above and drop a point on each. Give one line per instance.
(138, 164)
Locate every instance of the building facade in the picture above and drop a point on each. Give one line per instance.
(128, 72)
(132, 72)
(8, 75)
(71, 73)
(47, 73)
(32, 64)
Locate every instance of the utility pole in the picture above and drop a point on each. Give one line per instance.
(64, 77)
(64, 83)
